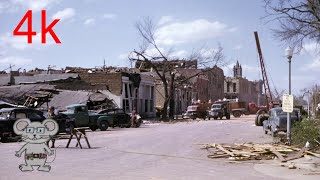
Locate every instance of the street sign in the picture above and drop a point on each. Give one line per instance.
(287, 103)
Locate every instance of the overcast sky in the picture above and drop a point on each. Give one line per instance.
(93, 30)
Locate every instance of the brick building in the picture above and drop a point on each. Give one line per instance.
(242, 88)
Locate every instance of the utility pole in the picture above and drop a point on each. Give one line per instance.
(49, 68)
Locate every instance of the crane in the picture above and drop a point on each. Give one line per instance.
(261, 114)
(263, 71)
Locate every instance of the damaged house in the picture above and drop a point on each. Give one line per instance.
(98, 89)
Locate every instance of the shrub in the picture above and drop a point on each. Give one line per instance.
(306, 130)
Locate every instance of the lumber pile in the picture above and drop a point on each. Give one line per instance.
(248, 151)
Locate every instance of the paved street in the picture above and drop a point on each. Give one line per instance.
(154, 151)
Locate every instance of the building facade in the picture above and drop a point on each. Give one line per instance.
(241, 88)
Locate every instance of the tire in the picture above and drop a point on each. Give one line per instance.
(104, 125)
(261, 118)
(220, 117)
(93, 128)
(138, 124)
(256, 120)
(128, 125)
(4, 139)
(215, 118)
(70, 128)
(265, 132)
(237, 114)
(228, 116)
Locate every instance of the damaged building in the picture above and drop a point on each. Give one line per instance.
(109, 88)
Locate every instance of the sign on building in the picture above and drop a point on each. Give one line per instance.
(287, 103)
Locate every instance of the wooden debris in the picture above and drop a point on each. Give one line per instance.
(298, 155)
(250, 151)
(279, 155)
(312, 173)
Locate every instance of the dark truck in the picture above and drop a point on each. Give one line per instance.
(9, 115)
(219, 110)
(81, 117)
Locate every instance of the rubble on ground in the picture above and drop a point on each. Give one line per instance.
(287, 155)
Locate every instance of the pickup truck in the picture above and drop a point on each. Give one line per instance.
(81, 117)
(9, 115)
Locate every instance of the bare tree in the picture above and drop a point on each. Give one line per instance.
(298, 20)
(161, 61)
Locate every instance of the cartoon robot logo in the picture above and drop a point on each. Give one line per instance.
(35, 134)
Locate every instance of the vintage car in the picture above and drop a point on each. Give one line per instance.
(277, 120)
(80, 117)
(119, 117)
(9, 115)
(196, 111)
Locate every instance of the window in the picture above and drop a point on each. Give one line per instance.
(141, 105)
(125, 104)
(152, 92)
(21, 115)
(81, 109)
(146, 105)
(34, 116)
(151, 105)
(234, 87)
(126, 90)
(130, 90)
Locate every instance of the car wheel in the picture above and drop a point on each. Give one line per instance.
(93, 128)
(215, 118)
(128, 125)
(3, 139)
(104, 125)
(256, 120)
(70, 128)
(138, 124)
(265, 132)
(237, 114)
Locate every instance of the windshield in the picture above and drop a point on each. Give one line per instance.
(280, 112)
(216, 106)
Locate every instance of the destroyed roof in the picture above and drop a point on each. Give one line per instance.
(5, 79)
(4, 104)
(16, 94)
(40, 78)
(67, 97)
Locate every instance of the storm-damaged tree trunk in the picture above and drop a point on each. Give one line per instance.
(167, 72)
(298, 20)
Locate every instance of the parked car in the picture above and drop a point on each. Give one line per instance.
(119, 117)
(9, 115)
(277, 120)
(80, 117)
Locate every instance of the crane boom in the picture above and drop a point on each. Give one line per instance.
(264, 73)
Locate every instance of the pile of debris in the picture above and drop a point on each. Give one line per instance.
(248, 151)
